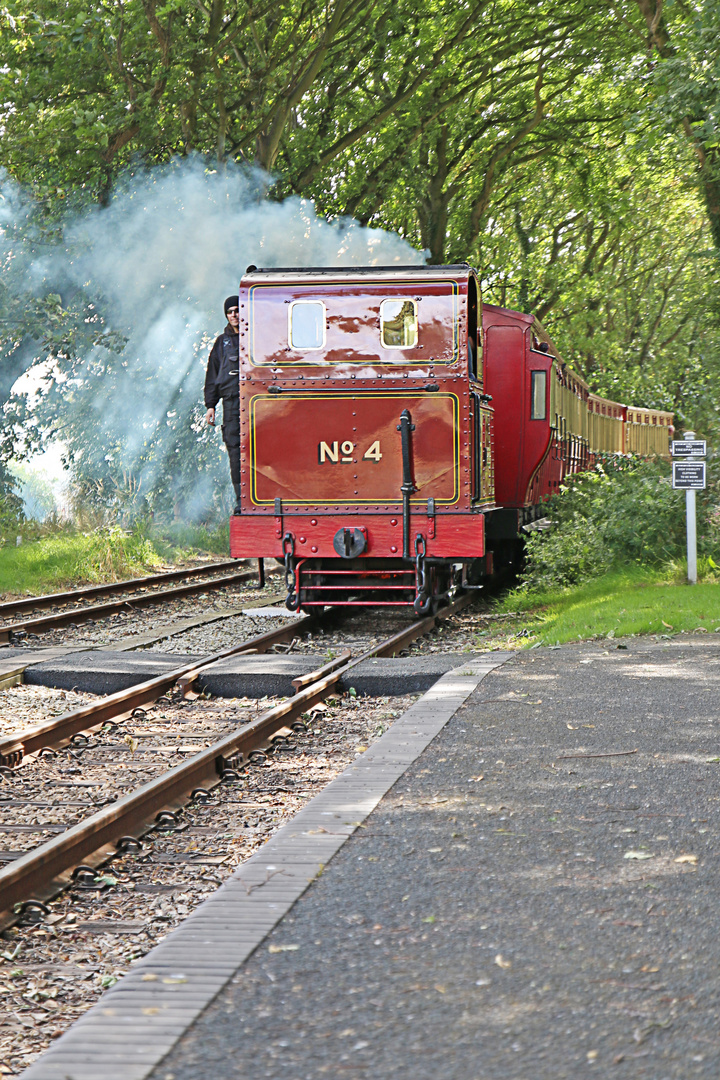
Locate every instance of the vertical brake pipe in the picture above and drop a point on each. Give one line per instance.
(405, 427)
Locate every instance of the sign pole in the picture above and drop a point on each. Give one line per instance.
(691, 526)
(691, 536)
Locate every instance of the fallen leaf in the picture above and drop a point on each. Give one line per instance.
(687, 858)
(638, 855)
(440, 989)
(171, 980)
(283, 948)
(152, 1010)
(666, 624)
(501, 963)
(592, 1055)
(149, 978)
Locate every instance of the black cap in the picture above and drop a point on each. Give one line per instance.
(232, 301)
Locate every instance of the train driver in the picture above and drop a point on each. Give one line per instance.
(222, 380)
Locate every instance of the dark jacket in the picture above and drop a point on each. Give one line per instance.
(221, 377)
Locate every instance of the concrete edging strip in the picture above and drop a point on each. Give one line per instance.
(137, 1022)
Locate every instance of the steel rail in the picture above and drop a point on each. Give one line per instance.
(43, 872)
(99, 611)
(61, 728)
(36, 603)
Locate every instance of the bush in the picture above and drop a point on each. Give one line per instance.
(624, 511)
(112, 552)
(180, 537)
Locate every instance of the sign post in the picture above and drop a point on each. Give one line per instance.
(689, 474)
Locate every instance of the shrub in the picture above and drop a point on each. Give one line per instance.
(624, 511)
(112, 552)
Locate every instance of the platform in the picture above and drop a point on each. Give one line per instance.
(534, 897)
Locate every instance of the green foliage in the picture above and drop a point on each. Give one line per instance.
(11, 507)
(113, 553)
(623, 512)
(35, 492)
(180, 538)
(623, 601)
(65, 558)
(536, 140)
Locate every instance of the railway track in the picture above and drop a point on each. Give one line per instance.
(46, 870)
(134, 593)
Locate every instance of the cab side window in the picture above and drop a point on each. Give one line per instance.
(399, 324)
(306, 329)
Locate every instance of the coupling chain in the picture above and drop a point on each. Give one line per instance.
(420, 572)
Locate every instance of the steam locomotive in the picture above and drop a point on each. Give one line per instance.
(397, 434)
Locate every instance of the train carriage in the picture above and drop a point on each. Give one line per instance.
(396, 433)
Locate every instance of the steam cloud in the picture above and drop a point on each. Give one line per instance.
(162, 256)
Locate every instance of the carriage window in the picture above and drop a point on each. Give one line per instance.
(307, 324)
(398, 324)
(537, 395)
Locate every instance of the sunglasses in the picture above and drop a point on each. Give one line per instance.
(233, 311)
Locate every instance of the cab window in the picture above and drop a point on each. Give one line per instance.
(307, 324)
(399, 324)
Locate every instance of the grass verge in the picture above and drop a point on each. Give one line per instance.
(65, 559)
(618, 604)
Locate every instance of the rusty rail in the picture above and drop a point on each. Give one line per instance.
(61, 728)
(44, 872)
(100, 611)
(87, 592)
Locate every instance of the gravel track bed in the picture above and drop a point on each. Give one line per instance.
(476, 629)
(142, 620)
(22, 706)
(63, 787)
(355, 630)
(52, 971)
(223, 635)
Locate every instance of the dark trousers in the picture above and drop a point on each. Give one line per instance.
(231, 437)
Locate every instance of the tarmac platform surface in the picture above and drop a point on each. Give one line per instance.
(535, 897)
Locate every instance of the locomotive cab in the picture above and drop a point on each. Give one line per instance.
(366, 435)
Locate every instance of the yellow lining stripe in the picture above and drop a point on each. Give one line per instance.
(455, 292)
(359, 397)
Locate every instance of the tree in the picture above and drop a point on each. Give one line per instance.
(624, 292)
(685, 84)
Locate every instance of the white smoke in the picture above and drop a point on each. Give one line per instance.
(183, 236)
(173, 242)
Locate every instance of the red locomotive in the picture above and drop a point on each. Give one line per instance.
(396, 433)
